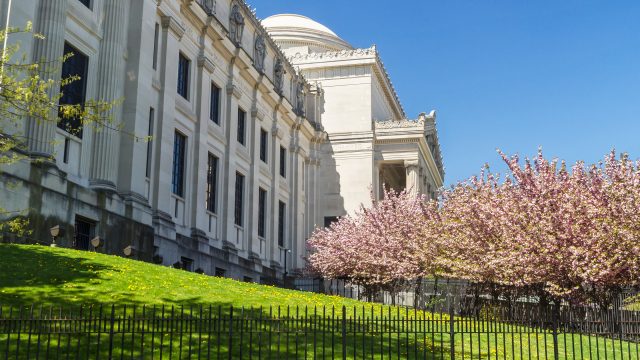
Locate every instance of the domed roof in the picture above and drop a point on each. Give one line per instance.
(294, 30)
(295, 21)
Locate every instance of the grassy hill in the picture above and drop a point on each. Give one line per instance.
(44, 275)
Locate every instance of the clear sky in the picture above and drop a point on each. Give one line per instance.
(508, 74)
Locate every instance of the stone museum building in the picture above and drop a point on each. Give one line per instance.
(260, 131)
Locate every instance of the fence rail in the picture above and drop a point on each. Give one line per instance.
(368, 332)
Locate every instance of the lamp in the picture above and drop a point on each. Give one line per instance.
(55, 232)
(129, 251)
(96, 242)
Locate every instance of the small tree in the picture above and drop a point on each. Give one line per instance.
(379, 248)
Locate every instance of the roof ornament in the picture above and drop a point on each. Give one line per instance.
(260, 53)
(278, 75)
(236, 25)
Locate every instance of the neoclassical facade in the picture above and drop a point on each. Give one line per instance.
(370, 141)
(259, 132)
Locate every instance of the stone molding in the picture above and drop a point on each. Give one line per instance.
(171, 23)
(208, 64)
(234, 90)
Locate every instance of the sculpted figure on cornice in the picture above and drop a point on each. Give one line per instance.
(236, 25)
(260, 53)
(300, 97)
(278, 75)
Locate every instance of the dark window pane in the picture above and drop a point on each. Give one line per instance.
(179, 149)
(239, 199)
(86, 3)
(242, 118)
(84, 232)
(183, 76)
(156, 37)
(282, 209)
(187, 263)
(262, 212)
(149, 142)
(214, 111)
(283, 162)
(264, 141)
(328, 220)
(212, 181)
(74, 92)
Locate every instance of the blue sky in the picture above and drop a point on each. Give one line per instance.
(514, 75)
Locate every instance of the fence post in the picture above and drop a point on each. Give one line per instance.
(452, 349)
(555, 318)
(344, 332)
(230, 332)
(111, 331)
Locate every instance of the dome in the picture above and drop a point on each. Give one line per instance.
(295, 31)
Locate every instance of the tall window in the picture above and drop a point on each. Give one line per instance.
(262, 212)
(283, 162)
(179, 153)
(214, 109)
(282, 210)
(264, 144)
(183, 76)
(147, 171)
(242, 119)
(73, 93)
(239, 199)
(156, 37)
(212, 181)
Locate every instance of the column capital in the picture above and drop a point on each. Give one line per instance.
(411, 164)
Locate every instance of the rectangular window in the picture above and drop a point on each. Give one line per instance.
(183, 76)
(74, 92)
(214, 109)
(242, 118)
(149, 142)
(84, 232)
(212, 181)
(187, 263)
(220, 272)
(239, 199)
(86, 3)
(156, 37)
(262, 212)
(282, 210)
(179, 153)
(264, 144)
(328, 220)
(283, 162)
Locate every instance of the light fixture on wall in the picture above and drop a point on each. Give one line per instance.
(97, 242)
(129, 251)
(55, 232)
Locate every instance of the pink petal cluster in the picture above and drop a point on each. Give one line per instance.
(544, 231)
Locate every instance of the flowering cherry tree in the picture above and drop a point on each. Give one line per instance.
(545, 230)
(379, 247)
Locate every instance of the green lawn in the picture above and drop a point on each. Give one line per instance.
(43, 275)
(176, 319)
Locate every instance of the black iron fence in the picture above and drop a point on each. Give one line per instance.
(367, 332)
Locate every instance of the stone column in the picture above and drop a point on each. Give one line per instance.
(50, 22)
(104, 164)
(413, 177)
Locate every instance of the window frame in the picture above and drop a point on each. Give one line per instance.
(282, 217)
(184, 72)
(283, 162)
(73, 126)
(178, 171)
(213, 165)
(214, 105)
(262, 212)
(264, 146)
(238, 210)
(242, 127)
